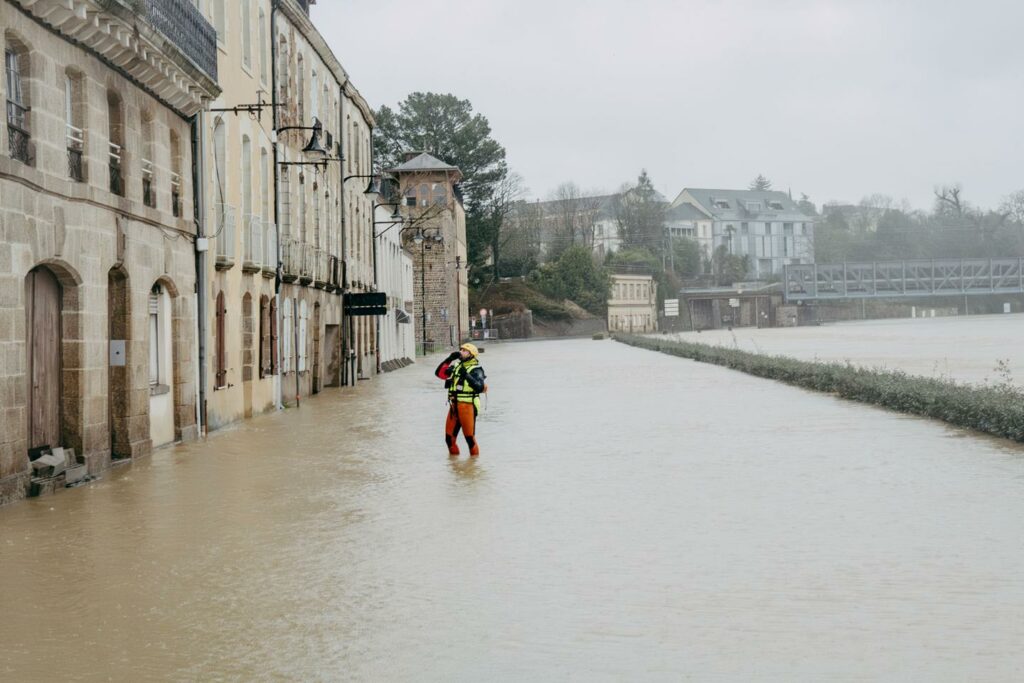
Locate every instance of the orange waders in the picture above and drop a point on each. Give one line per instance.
(461, 416)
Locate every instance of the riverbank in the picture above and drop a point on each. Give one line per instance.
(997, 409)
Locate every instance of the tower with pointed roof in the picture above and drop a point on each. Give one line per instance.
(431, 203)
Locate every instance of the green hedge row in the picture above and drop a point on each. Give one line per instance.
(997, 410)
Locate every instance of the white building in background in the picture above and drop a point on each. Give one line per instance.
(394, 266)
(633, 303)
(766, 226)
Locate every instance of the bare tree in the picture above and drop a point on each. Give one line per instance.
(1013, 207)
(948, 202)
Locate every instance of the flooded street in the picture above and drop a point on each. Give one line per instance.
(633, 516)
(962, 348)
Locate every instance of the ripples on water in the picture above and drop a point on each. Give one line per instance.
(633, 516)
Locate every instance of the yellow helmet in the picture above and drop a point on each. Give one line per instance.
(473, 351)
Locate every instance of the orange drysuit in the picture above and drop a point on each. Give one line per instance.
(465, 382)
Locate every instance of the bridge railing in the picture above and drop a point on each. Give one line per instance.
(910, 278)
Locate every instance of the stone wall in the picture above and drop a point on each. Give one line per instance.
(81, 233)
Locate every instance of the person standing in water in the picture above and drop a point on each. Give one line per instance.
(464, 379)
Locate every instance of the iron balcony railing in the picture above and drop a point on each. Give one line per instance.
(252, 243)
(322, 267)
(76, 145)
(225, 224)
(116, 153)
(148, 191)
(270, 248)
(185, 26)
(291, 258)
(17, 132)
(308, 262)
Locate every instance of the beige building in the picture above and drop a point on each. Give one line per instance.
(287, 236)
(435, 235)
(97, 311)
(633, 304)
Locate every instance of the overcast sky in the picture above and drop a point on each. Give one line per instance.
(835, 99)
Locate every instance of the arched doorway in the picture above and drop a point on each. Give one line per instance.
(119, 331)
(44, 335)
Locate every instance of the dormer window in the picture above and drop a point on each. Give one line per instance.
(753, 207)
(721, 204)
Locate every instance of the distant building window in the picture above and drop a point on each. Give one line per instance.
(17, 106)
(787, 229)
(744, 229)
(721, 204)
(439, 195)
(154, 336)
(753, 206)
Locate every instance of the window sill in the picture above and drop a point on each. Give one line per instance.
(159, 389)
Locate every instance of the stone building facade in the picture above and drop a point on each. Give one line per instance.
(97, 277)
(633, 303)
(435, 235)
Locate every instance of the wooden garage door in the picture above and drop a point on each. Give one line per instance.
(42, 307)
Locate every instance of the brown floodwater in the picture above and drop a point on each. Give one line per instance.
(634, 516)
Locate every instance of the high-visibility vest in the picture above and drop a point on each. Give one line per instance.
(460, 390)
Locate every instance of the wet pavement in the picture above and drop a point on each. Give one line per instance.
(634, 516)
(961, 348)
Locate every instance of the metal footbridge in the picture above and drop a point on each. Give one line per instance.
(903, 279)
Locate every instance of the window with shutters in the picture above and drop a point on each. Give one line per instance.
(274, 363)
(289, 336)
(265, 368)
(220, 350)
(303, 323)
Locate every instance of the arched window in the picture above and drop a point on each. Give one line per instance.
(314, 97)
(424, 194)
(220, 346)
(439, 195)
(248, 338)
(410, 195)
(246, 179)
(16, 64)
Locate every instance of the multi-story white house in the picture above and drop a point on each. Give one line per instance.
(766, 226)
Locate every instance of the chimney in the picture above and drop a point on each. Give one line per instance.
(412, 154)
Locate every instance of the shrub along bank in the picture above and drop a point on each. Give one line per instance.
(996, 409)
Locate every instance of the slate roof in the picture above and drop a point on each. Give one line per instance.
(738, 200)
(423, 162)
(686, 212)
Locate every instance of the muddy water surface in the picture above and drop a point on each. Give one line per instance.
(633, 517)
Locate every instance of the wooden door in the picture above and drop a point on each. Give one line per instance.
(43, 337)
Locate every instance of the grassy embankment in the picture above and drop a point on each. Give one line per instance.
(993, 409)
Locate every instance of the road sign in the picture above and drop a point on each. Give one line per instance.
(735, 303)
(671, 308)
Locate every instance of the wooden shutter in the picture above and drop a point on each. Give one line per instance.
(222, 372)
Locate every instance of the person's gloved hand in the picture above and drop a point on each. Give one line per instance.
(454, 355)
